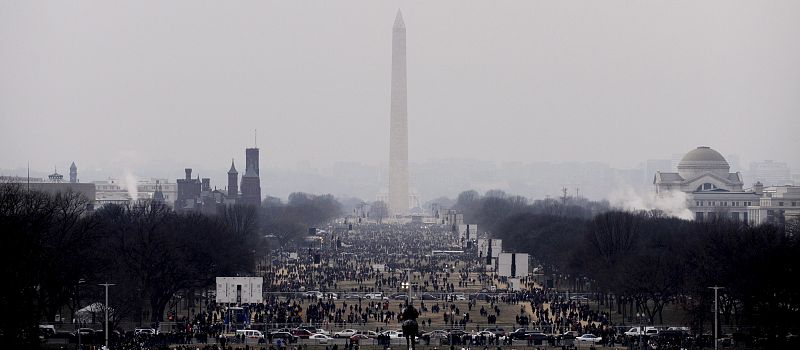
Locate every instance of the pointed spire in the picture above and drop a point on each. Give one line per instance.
(233, 168)
(398, 21)
(73, 166)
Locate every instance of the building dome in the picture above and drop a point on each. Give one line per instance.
(702, 160)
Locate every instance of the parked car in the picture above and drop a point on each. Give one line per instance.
(312, 329)
(250, 333)
(651, 331)
(589, 338)
(320, 338)
(392, 334)
(536, 337)
(144, 331)
(286, 336)
(313, 294)
(519, 334)
(457, 333)
(83, 332)
(486, 334)
(437, 334)
(568, 335)
(347, 333)
(356, 338)
(368, 334)
(497, 331)
(634, 332)
(428, 296)
(373, 296)
(301, 333)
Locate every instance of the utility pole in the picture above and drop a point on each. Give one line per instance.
(716, 314)
(106, 307)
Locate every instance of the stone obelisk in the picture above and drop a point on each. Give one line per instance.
(398, 128)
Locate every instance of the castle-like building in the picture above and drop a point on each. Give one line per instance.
(197, 194)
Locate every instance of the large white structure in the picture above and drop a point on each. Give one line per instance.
(240, 290)
(467, 233)
(712, 191)
(489, 249)
(512, 265)
(398, 124)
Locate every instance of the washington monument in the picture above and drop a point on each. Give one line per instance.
(398, 128)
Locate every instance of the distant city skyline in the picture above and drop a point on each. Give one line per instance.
(432, 178)
(122, 89)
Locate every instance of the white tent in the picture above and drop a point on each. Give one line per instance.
(95, 312)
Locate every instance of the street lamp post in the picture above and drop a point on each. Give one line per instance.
(716, 314)
(406, 287)
(106, 307)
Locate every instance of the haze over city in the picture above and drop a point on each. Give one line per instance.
(375, 175)
(149, 88)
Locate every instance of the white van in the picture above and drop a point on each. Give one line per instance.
(250, 333)
(373, 296)
(634, 331)
(651, 331)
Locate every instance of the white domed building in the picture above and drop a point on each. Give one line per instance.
(712, 190)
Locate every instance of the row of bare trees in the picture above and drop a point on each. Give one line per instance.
(648, 260)
(54, 250)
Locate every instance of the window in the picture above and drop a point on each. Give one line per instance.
(780, 204)
(734, 216)
(698, 216)
(706, 187)
(744, 216)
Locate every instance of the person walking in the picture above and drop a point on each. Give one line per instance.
(410, 326)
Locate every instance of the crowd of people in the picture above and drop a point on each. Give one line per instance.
(362, 278)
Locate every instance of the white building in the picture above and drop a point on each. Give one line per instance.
(776, 205)
(117, 191)
(714, 192)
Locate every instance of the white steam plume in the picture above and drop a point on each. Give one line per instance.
(131, 184)
(672, 203)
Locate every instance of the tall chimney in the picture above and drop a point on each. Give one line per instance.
(188, 173)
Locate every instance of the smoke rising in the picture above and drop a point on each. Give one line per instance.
(672, 203)
(131, 184)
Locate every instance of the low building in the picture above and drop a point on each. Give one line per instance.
(55, 184)
(776, 205)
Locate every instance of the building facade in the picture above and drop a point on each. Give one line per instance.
(713, 192)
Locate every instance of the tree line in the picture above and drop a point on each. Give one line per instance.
(646, 260)
(54, 250)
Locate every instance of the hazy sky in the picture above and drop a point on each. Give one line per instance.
(145, 84)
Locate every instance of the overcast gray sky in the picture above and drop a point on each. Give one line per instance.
(135, 84)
